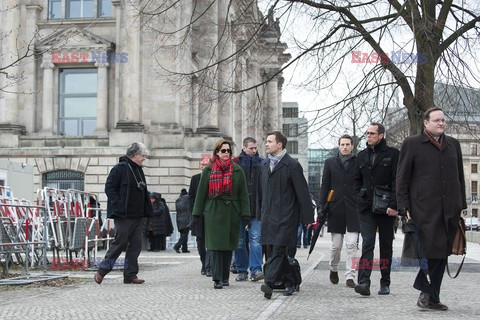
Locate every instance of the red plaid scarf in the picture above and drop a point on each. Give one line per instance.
(220, 177)
(436, 143)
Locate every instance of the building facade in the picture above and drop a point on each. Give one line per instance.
(295, 128)
(83, 79)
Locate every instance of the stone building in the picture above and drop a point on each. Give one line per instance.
(295, 128)
(97, 75)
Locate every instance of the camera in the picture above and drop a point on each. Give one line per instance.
(141, 185)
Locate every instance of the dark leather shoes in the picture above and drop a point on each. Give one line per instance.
(135, 280)
(363, 289)
(203, 272)
(288, 291)
(384, 290)
(438, 306)
(334, 277)
(350, 283)
(267, 291)
(423, 301)
(208, 273)
(217, 285)
(185, 251)
(176, 250)
(98, 277)
(225, 283)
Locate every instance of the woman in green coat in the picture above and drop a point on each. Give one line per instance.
(222, 197)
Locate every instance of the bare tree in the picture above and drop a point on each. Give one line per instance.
(392, 47)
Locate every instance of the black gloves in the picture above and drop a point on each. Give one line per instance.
(402, 211)
(321, 216)
(195, 220)
(246, 222)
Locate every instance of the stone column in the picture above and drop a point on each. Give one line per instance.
(47, 97)
(30, 68)
(225, 71)
(272, 102)
(130, 103)
(117, 13)
(11, 49)
(102, 97)
(207, 47)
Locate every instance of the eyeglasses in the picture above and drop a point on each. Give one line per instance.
(371, 133)
(225, 150)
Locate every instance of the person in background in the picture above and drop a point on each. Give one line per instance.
(159, 225)
(183, 221)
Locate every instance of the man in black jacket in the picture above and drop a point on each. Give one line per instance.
(198, 228)
(284, 201)
(377, 166)
(250, 162)
(128, 204)
(338, 173)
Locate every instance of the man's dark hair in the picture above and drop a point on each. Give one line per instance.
(426, 114)
(381, 128)
(247, 140)
(345, 136)
(279, 137)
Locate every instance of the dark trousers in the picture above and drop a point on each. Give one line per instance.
(369, 222)
(436, 269)
(220, 264)
(128, 237)
(204, 254)
(278, 267)
(183, 240)
(157, 242)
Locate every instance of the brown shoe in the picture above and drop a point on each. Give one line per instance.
(350, 283)
(423, 301)
(438, 306)
(135, 280)
(333, 277)
(98, 278)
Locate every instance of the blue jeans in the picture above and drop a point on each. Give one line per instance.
(242, 259)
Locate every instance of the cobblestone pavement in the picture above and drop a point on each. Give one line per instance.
(175, 289)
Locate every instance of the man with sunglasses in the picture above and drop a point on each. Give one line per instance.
(377, 166)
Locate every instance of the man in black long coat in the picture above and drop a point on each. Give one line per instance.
(377, 166)
(338, 173)
(431, 186)
(284, 201)
(198, 229)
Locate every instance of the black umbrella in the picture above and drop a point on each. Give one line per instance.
(321, 219)
(410, 229)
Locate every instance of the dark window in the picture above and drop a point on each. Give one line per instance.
(474, 168)
(292, 147)
(475, 213)
(63, 179)
(79, 9)
(78, 102)
(290, 112)
(473, 149)
(474, 191)
(290, 129)
(54, 9)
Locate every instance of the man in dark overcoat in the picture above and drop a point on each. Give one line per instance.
(338, 173)
(431, 187)
(377, 166)
(284, 201)
(198, 229)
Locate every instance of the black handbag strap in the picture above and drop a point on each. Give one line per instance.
(458, 271)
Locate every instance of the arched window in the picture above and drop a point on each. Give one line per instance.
(63, 179)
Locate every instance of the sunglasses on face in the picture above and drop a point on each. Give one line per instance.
(225, 150)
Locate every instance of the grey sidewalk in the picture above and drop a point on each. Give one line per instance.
(174, 289)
